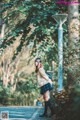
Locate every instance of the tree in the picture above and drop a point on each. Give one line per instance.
(37, 28)
(74, 59)
(74, 44)
(33, 22)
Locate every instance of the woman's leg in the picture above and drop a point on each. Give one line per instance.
(46, 97)
(48, 102)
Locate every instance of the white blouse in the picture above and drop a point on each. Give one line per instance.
(42, 77)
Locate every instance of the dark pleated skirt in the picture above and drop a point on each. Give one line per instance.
(45, 88)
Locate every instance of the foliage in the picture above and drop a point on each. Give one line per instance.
(27, 86)
(33, 22)
(25, 93)
(66, 106)
(37, 28)
(4, 94)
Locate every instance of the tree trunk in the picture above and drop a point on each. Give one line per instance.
(73, 45)
(74, 60)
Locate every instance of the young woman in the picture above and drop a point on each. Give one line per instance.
(45, 86)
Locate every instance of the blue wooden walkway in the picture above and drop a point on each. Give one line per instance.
(23, 113)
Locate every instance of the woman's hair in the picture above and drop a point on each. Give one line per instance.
(37, 60)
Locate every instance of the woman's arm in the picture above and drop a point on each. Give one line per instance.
(43, 74)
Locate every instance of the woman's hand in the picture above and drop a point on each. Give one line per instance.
(50, 82)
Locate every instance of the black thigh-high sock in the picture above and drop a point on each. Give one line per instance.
(51, 107)
(45, 109)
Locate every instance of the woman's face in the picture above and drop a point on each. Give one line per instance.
(36, 63)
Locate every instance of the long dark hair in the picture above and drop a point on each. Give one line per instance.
(36, 70)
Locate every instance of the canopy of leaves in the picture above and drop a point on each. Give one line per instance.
(33, 21)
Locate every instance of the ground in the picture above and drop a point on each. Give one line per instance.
(22, 113)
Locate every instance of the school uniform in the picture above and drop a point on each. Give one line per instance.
(44, 81)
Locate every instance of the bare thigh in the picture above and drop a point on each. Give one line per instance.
(46, 95)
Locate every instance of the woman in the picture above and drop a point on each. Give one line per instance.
(45, 86)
